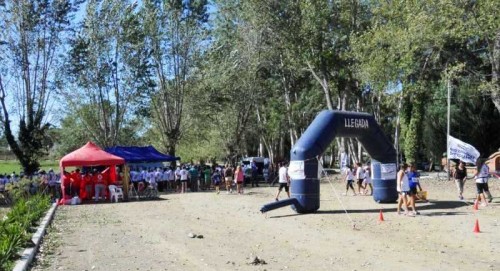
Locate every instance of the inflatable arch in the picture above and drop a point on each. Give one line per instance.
(303, 168)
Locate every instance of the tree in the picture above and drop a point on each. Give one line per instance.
(30, 45)
(108, 69)
(175, 32)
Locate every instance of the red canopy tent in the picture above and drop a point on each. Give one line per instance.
(91, 155)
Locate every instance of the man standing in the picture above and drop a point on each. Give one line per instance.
(159, 180)
(193, 173)
(184, 177)
(100, 187)
(284, 180)
(228, 178)
(254, 174)
(247, 171)
(207, 173)
(76, 180)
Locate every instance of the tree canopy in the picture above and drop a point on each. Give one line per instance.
(221, 79)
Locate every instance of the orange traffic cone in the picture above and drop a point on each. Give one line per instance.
(381, 216)
(475, 206)
(476, 227)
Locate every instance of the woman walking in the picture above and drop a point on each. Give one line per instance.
(403, 188)
(349, 180)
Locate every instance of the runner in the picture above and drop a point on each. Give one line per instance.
(284, 180)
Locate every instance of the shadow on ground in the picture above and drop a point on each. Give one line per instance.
(433, 208)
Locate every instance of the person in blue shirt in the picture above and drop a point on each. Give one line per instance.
(413, 176)
(254, 174)
(216, 179)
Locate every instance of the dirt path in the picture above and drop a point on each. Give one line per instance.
(153, 235)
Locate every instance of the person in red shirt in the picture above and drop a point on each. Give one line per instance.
(76, 181)
(88, 184)
(66, 183)
(100, 186)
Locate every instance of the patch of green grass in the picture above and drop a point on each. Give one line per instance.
(3, 211)
(15, 228)
(9, 166)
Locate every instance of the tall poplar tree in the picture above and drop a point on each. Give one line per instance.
(33, 33)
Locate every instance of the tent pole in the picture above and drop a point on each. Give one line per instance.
(126, 171)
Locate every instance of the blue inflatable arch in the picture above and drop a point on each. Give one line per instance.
(305, 184)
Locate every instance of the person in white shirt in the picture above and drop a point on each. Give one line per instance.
(177, 174)
(151, 179)
(52, 182)
(360, 176)
(159, 180)
(368, 179)
(348, 179)
(184, 177)
(164, 179)
(143, 175)
(481, 176)
(284, 180)
(171, 178)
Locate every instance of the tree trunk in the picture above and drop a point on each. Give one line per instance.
(324, 85)
(495, 71)
(397, 128)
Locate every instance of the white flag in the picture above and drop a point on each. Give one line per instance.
(461, 150)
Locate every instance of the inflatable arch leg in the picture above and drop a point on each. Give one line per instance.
(303, 169)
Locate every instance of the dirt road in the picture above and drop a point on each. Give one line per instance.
(153, 235)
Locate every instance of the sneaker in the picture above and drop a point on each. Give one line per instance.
(490, 199)
(227, 192)
(277, 199)
(461, 197)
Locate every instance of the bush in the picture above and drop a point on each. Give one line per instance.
(16, 227)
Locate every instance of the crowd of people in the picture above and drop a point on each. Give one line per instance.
(93, 184)
(408, 184)
(359, 174)
(48, 181)
(196, 177)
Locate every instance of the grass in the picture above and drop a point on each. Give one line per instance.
(15, 229)
(9, 166)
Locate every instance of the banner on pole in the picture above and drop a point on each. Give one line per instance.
(461, 150)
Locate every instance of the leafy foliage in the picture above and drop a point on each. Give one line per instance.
(15, 227)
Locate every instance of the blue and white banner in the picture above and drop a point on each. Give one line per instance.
(461, 150)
